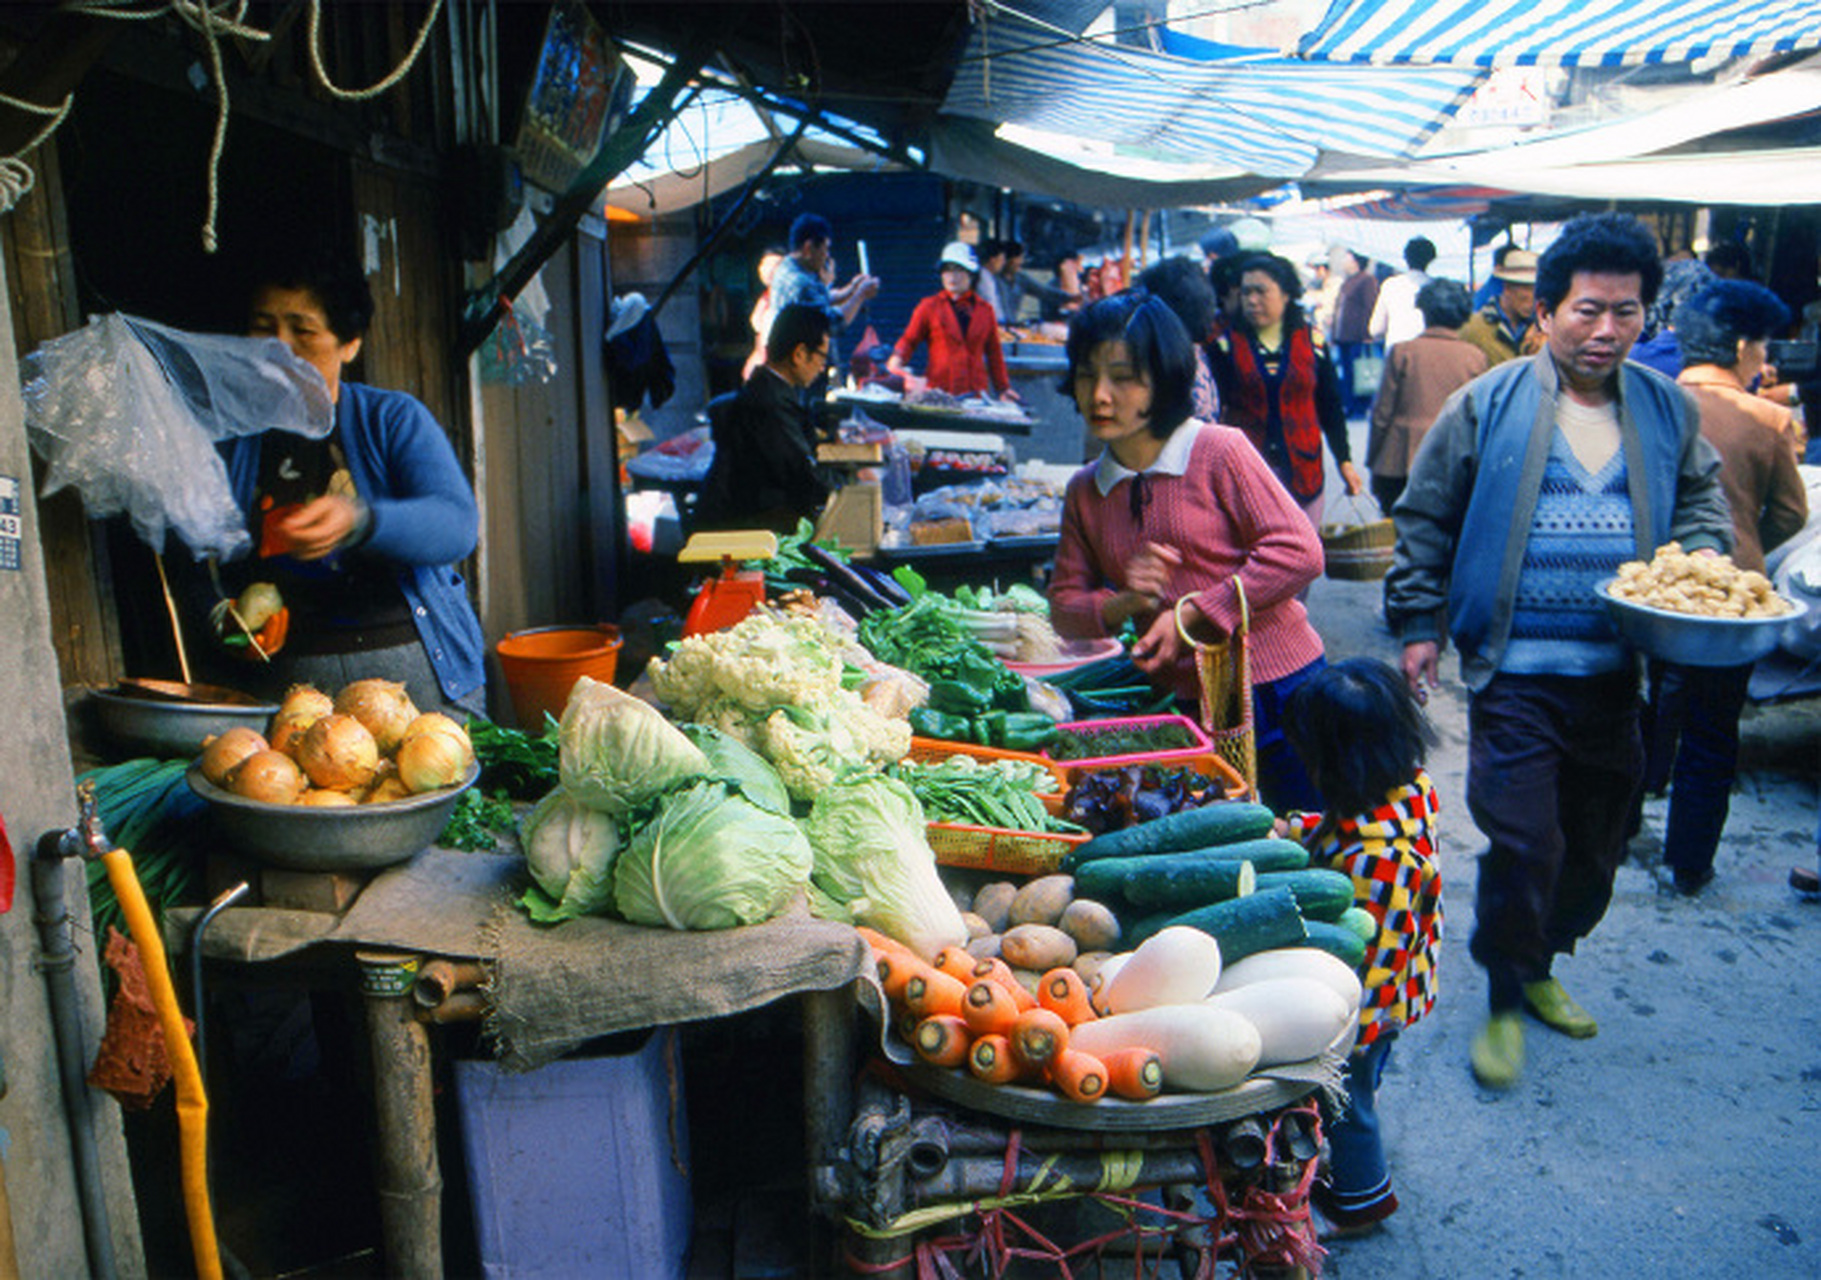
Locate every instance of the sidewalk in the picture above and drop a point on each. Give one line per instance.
(1682, 1140)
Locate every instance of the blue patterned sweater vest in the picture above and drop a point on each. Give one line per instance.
(1580, 534)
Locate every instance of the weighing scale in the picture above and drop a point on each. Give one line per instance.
(725, 600)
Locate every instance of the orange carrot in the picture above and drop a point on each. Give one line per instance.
(1001, 972)
(1038, 1037)
(896, 969)
(989, 1008)
(883, 943)
(1079, 1076)
(991, 1060)
(942, 1040)
(933, 991)
(1063, 991)
(1134, 1072)
(956, 963)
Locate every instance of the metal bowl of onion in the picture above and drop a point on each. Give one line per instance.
(170, 720)
(354, 837)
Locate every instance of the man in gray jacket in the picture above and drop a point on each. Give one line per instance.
(1537, 481)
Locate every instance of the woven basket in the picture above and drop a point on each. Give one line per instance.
(1358, 550)
(1225, 674)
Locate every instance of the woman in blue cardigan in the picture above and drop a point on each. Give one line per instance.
(361, 531)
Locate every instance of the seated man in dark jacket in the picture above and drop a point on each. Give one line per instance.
(764, 474)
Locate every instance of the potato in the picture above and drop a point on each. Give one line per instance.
(985, 947)
(1088, 963)
(1092, 925)
(993, 903)
(1028, 979)
(976, 927)
(1037, 946)
(1043, 900)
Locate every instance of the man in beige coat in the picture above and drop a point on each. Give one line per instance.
(1506, 328)
(1420, 375)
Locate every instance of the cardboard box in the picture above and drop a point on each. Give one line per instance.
(854, 516)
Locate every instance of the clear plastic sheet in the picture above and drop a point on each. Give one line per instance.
(127, 412)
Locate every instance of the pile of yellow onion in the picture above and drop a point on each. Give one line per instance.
(367, 745)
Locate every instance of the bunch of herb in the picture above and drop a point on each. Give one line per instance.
(515, 764)
(478, 821)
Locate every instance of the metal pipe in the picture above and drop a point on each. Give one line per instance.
(926, 1153)
(1242, 1143)
(457, 1006)
(58, 959)
(971, 1177)
(439, 979)
(222, 902)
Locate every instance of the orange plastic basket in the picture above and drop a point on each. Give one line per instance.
(936, 750)
(1017, 853)
(1224, 775)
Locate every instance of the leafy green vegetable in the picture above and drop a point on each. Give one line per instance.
(993, 793)
(732, 761)
(618, 752)
(477, 821)
(513, 762)
(570, 851)
(872, 856)
(710, 859)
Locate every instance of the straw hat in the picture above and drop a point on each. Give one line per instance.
(1519, 267)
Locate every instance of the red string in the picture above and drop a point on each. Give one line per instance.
(1265, 1227)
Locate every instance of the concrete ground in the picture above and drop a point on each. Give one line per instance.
(1685, 1139)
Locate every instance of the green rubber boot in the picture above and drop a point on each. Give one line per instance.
(1498, 1051)
(1556, 1008)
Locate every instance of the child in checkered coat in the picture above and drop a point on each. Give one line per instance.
(1361, 736)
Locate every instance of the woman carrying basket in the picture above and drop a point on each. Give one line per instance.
(1177, 511)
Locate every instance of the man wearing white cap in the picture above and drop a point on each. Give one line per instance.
(1505, 327)
(960, 330)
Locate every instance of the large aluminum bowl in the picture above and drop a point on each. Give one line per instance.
(1696, 641)
(307, 838)
(171, 730)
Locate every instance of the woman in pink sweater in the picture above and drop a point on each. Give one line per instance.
(1178, 508)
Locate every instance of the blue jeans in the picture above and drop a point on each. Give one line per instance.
(1357, 1172)
(1283, 783)
(1700, 706)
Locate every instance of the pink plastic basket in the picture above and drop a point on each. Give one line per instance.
(1199, 744)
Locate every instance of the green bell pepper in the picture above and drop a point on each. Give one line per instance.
(926, 722)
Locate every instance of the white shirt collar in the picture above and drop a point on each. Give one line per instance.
(1173, 461)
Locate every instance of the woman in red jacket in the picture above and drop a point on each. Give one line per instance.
(960, 329)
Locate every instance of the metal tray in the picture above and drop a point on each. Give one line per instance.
(170, 729)
(1110, 1115)
(932, 551)
(307, 838)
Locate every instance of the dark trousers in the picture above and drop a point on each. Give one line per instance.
(1691, 745)
(1386, 490)
(1357, 1171)
(1552, 765)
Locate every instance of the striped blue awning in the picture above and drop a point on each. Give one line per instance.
(1254, 110)
(1516, 33)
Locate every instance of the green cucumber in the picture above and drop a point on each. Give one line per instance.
(1134, 929)
(1103, 879)
(1361, 921)
(1223, 822)
(1248, 925)
(1184, 880)
(1336, 940)
(1320, 894)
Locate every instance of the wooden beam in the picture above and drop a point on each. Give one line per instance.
(485, 306)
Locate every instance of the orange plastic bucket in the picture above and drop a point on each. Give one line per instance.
(542, 664)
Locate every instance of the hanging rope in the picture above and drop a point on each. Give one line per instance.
(213, 19)
(398, 73)
(16, 176)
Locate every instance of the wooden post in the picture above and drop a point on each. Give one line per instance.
(1144, 241)
(409, 1178)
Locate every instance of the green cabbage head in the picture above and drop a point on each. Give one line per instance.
(570, 851)
(710, 859)
(616, 752)
(873, 858)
